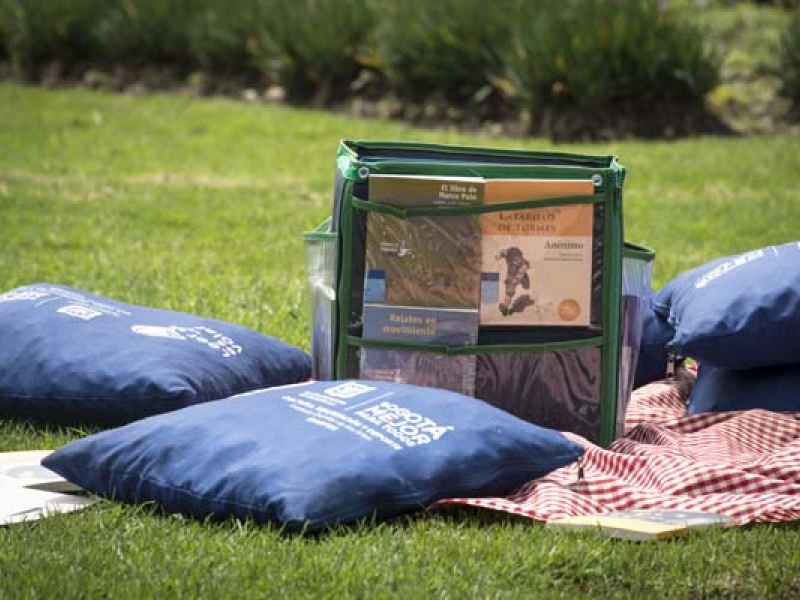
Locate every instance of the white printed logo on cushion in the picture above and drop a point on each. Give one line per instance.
(23, 295)
(80, 312)
(202, 335)
(349, 389)
(730, 265)
(157, 331)
(412, 429)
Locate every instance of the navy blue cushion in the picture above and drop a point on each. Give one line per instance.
(738, 312)
(656, 334)
(67, 356)
(315, 454)
(722, 390)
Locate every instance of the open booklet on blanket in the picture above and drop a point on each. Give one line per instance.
(644, 524)
(29, 491)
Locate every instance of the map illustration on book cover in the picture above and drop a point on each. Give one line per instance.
(644, 524)
(423, 261)
(536, 263)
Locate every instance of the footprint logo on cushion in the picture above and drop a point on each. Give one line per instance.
(170, 332)
(31, 294)
(216, 341)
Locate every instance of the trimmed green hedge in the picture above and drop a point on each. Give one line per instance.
(451, 46)
(548, 53)
(223, 35)
(35, 31)
(790, 61)
(312, 47)
(591, 52)
(183, 33)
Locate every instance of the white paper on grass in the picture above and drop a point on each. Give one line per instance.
(19, 504)
(29, 491)
(24, 469)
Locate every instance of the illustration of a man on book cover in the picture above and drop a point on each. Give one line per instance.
(536, 267)
(517, 267)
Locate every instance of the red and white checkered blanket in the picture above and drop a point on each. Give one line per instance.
(745, 465)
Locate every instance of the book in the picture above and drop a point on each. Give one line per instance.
(536, 263)
(645, 524)
(422, 273)
(29, 491)
(24, 469)
(422, 281)
(423, 261)
(19, 504)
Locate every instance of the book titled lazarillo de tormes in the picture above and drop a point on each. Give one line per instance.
(537, 262)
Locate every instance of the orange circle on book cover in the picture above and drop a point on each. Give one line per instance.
(569, 309)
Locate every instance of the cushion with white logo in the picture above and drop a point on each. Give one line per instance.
(737, 312)
(316, 454)
(653, 354)
(67, 356)
(722, 390)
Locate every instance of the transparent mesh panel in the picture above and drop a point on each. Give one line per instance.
(637, 274)
(320, 255)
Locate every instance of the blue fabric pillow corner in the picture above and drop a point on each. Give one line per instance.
(737, 312)
(316, 454)
(67, 356)
(722, 390)
(653, 353)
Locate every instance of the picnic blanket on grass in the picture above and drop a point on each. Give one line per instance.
(745, 465)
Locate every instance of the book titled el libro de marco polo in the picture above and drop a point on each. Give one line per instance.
(422, 281)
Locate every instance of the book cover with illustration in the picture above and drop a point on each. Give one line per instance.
(644, 524)
(423, 261)
(536, 263)
(422, 281)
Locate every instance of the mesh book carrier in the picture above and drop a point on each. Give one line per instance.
(500, 274)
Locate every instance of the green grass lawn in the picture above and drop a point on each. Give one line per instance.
(200, 206)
